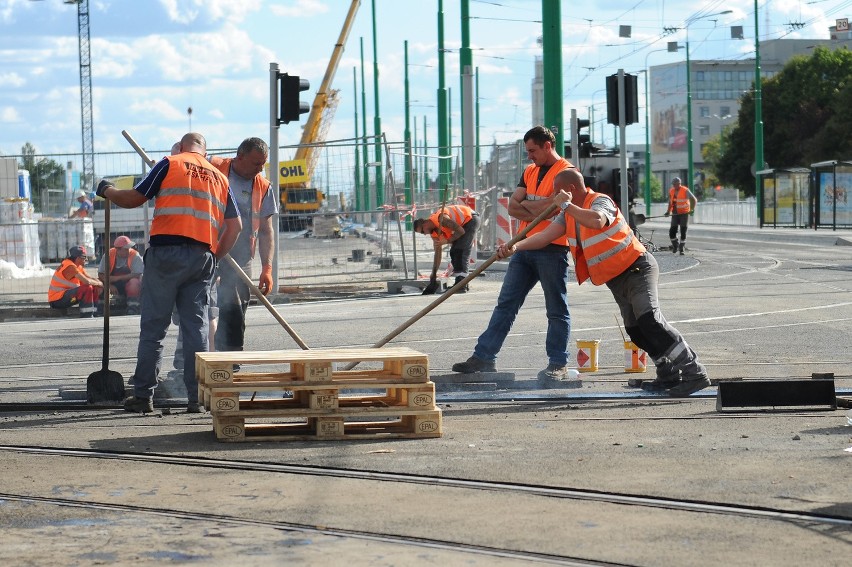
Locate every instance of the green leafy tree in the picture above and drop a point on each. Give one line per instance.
(806, 118)
(44, 173)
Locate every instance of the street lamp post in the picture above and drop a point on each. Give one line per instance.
(758, 119)
(648, 133)
(689, 151)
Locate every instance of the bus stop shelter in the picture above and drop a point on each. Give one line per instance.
(830, 196)
(784, 197)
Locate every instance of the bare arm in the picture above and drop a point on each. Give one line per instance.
(534, 242)
(436, 260)
(265, 243)
(82, 276)
(526, 209)
(457, 230)
(125, 198)
(228, 236)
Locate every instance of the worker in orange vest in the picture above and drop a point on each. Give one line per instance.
(196, 222)
(71, 284)
(607, 252)
(454, 225)
(681, 203)
(125, 272)
(258, 206)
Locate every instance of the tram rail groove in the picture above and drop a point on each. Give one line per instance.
(677, 504)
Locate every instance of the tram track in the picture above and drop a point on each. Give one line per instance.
(696, 506)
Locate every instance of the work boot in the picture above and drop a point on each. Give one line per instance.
(465, 288)
(87, 310)
(693, 375)
(674, 245)
(194, 407)
(680, 248)
(473, 365)
(667, 377)
(139, 405)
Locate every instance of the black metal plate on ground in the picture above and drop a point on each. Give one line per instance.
(782, 395)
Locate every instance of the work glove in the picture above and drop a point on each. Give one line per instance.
(432, 288)
(102, 187)
(667, 214)
(265, 283)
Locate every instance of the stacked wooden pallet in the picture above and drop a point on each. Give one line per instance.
(307, 394)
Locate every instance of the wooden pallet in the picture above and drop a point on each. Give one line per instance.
(308, 399)
(307, 395)
(398, 424)
(398, 364)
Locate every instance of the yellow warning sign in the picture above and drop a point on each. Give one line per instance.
(293, 171)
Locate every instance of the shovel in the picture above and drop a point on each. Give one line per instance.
(105, 385)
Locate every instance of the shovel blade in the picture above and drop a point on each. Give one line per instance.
(104, 386)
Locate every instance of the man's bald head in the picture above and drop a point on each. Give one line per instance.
(193, 142)
(568, 179)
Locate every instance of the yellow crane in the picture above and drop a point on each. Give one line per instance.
(299, 201)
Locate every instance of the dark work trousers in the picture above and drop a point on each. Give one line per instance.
(461, 248)
(679, 221)
(233, 304)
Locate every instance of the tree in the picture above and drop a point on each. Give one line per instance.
(805, 116)
(44, 173)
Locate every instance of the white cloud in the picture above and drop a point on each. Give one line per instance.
(9, 115)
(187, 11)
(156, 108)
(11, 80)
(299, 9)
(216, 113)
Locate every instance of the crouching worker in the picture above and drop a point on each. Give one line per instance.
(72, 285)
(125, 273)
(606, 251)
(454, 225)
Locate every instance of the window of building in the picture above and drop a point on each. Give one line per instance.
(699, 75)
(704, 130)
(704, 111)
(725, 111)
(729, 75)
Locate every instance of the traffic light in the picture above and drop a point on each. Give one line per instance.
(291, 106)
(631, 99)
(584, 141)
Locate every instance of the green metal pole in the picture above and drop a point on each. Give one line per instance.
(377, 121)
(468, 127)
(358, 203)
(476, 152)
(409, 197)
(758, 120)
(551, 17)
(366, 193)
(689, 174)
(426, 179)
(443, 133)
(647, 150)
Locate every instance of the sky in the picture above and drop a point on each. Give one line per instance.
(152, 60)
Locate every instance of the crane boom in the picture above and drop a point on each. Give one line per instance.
(298, 200)
(321, 100)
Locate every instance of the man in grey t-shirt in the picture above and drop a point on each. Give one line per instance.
(257, 205)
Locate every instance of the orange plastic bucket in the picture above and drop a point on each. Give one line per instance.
(635, 359)
(587, 355)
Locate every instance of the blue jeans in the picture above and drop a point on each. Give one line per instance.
(526, 268)
(174, 276)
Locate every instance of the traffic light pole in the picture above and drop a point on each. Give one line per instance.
(622, 149)
(273, 166)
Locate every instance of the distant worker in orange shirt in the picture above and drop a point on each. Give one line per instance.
(71, 284)
(681, 203)
(454, 225)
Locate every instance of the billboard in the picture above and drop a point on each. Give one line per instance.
(668, 112)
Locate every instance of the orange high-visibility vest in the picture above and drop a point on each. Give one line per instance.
(58, 284)
(679, 203)
(191, 200)
(602, 254)
(460, 214)
(546, 190)
(259, 187)
(112, 254)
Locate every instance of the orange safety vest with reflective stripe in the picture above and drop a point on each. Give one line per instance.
(460, 214)
(59, 285)
(533, 193)
(602, 254)
(191, 201)
(258, 192)
(130, 257)
(679, 203)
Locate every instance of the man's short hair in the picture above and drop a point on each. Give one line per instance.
(252, 144)
(418, 223)
(540, 135)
